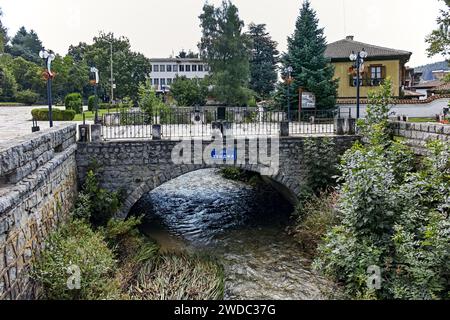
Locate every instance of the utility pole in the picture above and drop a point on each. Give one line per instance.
(112, 74)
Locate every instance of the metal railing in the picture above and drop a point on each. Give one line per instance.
(237, 122)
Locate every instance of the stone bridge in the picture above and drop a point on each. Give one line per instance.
(137, 167)
(41, 173)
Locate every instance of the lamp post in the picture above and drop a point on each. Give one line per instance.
(95, 83)
(288, 72)
(48, 57)
(358, 58)
(112, 70)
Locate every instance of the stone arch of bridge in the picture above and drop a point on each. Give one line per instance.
(284, 185)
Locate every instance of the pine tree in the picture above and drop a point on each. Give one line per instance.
(3, 34)
(263, 63)
(306, 55)
(26, 45)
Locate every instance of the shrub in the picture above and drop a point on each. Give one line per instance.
(42, 114)
(149, 102)
(74, 101)
(318, 215)
(27, 97)
(189, 92)
(75, 245)
(104, 204)
(91, 102)
(394, 216)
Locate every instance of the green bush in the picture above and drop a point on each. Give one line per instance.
(74, 101)
(317, 217)
(394, 215)
(103, 204)
(91, 102)
(27, 97)
(41, 114)
(76, 246)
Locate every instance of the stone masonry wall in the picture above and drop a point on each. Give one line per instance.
(38, 186)
(138, 167)
(418, 134)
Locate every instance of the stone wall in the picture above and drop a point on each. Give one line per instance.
(417, 135)
(38, 186)
(138, 167)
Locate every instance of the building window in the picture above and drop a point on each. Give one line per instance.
(206, 68)
(169, 68)
(181, 68)
(156, 68)
(169, 81)
(376, 75)
(200, 68)
(188, 68)
(162, 68)
(156, 82)
(194, 68)
(175, 68)
(163, 82)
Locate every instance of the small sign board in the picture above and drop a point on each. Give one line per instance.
(308, 100)
(224, 154)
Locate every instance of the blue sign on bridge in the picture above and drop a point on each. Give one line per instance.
(224, 154)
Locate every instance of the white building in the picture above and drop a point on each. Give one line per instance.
(165, 71)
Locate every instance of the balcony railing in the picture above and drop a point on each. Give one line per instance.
(366, 82)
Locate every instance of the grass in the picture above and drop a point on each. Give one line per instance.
(90, 115)
(420, 120)
(179, 277)
(316, 217)
(11, 104)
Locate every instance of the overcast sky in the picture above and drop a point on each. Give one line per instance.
(159, 27)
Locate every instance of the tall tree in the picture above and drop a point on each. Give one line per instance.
(26, 45)
(263, 62)
(3, 34)
(130, 68)
(28, 75)
(439, 40)
(306, 55)
(227, 50)
(8, 85)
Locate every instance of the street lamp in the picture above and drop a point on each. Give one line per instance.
(288, 71)
(48, 57)
(112, 70)
(95, 83)
(358, 58)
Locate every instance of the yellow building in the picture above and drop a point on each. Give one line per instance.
(380, 64)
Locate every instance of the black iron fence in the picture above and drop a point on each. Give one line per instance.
(206, 123)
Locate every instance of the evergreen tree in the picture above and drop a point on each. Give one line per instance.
(26, 45)
(263, 63)
(306, 55)
(3, 34)
(227, 50)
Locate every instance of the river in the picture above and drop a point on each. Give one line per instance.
(242, 225)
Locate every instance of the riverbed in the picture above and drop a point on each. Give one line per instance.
(242, 225)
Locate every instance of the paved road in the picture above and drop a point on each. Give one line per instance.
(16, 122)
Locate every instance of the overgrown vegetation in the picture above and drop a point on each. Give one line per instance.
(315, 217)
(236, 174)
(115, 261)
(179, 277)
(394, 216)
(75, 246)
